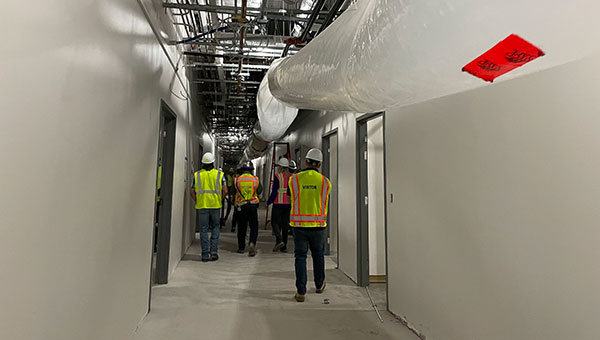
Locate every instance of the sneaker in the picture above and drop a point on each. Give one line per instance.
(214, 257)
(240, 251)
(278, 246)
(205, 259)
(251, 250)
(283, 249)
(299, 298)
(320, 290)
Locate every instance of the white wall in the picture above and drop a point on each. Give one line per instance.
(308, 130)
(494, 224)
(81, 84)
(375, 177)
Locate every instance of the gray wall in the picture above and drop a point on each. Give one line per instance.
(493, 231)
(81, 87)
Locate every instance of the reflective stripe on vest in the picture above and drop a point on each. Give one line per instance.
(310, 199)
(246, 186)
(282, 196)
(207, 196)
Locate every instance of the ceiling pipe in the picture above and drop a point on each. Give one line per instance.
(331, 15)
(311, 21)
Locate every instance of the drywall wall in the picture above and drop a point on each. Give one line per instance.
(375, 178)
(307, 132)
(81, 88)
(494, 224)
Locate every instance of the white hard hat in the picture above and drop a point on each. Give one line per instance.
(315, 155)
(292, 165)
(283, 162)
(208, 158)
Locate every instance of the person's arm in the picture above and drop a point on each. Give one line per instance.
(274, 193)
(193, 189)
(289, 192)
(224, 185)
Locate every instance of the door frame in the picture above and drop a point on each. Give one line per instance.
(166, 152)
(362, 189)
(326, 144)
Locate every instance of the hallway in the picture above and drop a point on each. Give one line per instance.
(239, 297)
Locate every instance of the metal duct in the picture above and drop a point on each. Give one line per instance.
(274, 118)
(386, 53)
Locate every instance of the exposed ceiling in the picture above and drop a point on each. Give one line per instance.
(229, 45)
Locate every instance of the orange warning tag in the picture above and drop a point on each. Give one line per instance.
(507, 55)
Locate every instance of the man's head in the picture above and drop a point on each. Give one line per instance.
(283, 164)
(208, 160)
(314, 158)
(248, 167)
(293, 167)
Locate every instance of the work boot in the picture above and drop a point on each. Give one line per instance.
(299, 298)
(205, 259)
(283, 249)
(214, 257)
(278, 246)
(240, 251)
(251, 250)
(320, 290)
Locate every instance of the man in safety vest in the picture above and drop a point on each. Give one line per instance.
(280, 214)
(226, 199)
(208, 190)
(248, 189)
(232, 197)
(309, 192)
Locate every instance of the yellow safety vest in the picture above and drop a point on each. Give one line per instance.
(246, 186)
(209, 187)
(310, 199)
(158, 182)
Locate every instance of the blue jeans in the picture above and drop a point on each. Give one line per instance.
(209, 218)
(303, 240)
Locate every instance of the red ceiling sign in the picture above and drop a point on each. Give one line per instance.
(507, 55)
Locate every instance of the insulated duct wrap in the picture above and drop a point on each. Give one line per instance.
(385, 53)
(274, 118)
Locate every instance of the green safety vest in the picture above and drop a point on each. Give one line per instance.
(209, 188)
(310, 199)
(158, 182)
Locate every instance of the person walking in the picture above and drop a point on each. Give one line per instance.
(233, 197)
(280, 213)
(248, 189)
(226, 200)
(309, 192)
(207, 190)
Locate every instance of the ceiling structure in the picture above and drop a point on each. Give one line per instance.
(228, 47)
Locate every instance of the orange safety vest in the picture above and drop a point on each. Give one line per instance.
(310, 199)
(282, 196)
(246, 186)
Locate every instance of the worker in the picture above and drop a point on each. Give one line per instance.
(232, 196)
(227, 198)
(309, 192)
(293, 167)
(280, 213)
(248, 189)
(207, 190)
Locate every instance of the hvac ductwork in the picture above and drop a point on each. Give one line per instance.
(386, 53)
(274, 118)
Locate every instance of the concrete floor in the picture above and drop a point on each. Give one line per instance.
(239, 297)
